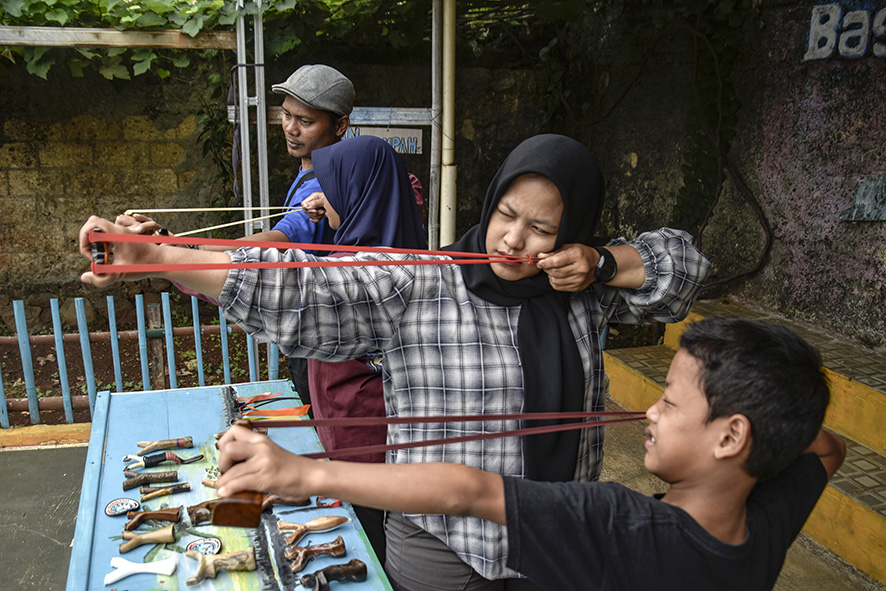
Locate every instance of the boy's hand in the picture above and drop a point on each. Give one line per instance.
(250, 461)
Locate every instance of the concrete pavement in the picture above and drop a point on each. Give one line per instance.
(40, 493)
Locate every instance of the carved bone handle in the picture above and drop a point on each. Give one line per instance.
(326, 523)
(124, 568)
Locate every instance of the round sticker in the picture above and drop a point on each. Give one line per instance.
(121, 506)
(206, 546)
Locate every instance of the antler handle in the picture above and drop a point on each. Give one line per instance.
(301, 555)
(150, 477)
(149, 446)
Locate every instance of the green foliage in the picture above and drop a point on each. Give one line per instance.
(290, 25)
(215, 140)
(297, 26)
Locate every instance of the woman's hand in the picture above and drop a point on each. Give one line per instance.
(571, 268)
(250, 461)
(315, 206)
(121, 252)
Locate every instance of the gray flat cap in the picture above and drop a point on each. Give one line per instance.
(320, 87)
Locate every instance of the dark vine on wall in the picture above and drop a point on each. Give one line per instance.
(717, 29)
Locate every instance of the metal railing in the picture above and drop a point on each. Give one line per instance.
(152, 368)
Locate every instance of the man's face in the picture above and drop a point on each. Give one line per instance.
(525, 222)
(306, 129)
(679, 440)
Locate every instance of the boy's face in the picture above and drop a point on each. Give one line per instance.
(680, 444)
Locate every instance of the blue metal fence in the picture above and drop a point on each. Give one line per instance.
(143, 334)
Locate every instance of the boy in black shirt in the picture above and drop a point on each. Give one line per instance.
(737, 434)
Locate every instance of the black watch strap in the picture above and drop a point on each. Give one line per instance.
(607, 268)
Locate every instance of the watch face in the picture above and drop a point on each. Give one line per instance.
(606, 267)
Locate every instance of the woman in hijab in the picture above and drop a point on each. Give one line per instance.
(368, 200)
(467, 340)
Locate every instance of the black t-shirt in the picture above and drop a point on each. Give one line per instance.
(602, 535)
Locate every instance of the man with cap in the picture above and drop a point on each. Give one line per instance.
(318, 100)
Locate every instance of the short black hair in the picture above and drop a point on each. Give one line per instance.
(767, 373)
(334, 118)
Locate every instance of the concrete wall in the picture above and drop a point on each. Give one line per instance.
(811, 143)
(74, 147)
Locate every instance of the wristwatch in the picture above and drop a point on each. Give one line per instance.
(606, 266)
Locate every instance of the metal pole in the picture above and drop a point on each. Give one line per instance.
(261, 118)
(449, 169)
(243, 117)
(436, 114)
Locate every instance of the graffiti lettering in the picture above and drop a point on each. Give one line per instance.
(850, 34)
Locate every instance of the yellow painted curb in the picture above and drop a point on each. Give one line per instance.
(629, 387)
(850, 530)
(673, 331)
(857, 411)
(45, 435)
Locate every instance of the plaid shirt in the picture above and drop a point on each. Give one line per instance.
(448, 352)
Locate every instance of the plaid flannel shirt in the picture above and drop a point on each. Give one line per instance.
(449, 352)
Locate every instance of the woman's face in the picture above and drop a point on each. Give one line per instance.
(525, 223)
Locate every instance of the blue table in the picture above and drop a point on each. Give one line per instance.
(119, 421)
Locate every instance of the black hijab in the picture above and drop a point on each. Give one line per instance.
(553, 377)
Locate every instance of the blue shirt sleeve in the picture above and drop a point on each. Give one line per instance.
(296, 225)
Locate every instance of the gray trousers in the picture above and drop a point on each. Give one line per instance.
(418, 561)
